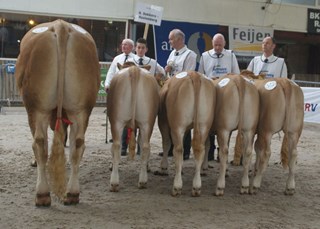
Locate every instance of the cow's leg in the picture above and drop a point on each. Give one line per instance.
(177, 138)
(116, 130)
(77, 147)
(205, 159)
(145, 155)
(39, 126)
(247, 149)
(199, 153)
(262, 145)
(166, 144)
(223, 140)
(293, 139)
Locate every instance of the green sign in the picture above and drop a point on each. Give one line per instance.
(103, 74)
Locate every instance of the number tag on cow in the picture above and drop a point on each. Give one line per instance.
(79, 29)
(181, 75)
(270, 85)
(40, 30)
(224, 82)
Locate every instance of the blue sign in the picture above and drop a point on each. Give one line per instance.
(10, 69)
(198, 38)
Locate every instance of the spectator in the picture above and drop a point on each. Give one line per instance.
(181, 59)
(214, 64)
(127, 46)
(268, 64)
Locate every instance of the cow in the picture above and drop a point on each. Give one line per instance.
(58, 69)
(132, 102)
(237, 108)
(187, 101)
(281, 109)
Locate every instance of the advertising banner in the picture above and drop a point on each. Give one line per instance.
(311, 104)
(314, 21)
(246, 41)
(198, 38)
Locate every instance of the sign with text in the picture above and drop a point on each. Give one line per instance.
(149, 14)
(311, 104)
(197, 38)
(246, 41)
(314, 21)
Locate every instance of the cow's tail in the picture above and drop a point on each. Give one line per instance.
(134, 78)
(57, 160)
(238, 150)
(196, 80)
(287, 89)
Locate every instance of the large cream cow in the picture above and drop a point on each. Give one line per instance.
(237, 108)
(281, 108)
(133, 102)
(187, 101)
(58, 69)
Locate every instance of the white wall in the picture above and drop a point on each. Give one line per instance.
(223, 12)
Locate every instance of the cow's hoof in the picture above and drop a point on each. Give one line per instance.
(219, 192)
(289, 192)
(142, 185)
(204, 173)
(176, 192)
(254, 190)
(34, 163)
(196, 192)
(71, 198)
(114, 188)
(163, 172)
(43, 200)
(244, 190)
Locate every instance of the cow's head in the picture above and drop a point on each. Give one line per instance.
(250, 75)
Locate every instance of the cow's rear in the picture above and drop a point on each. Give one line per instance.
(58, 69)
(281, 108)
(187, 101)
(133, 102)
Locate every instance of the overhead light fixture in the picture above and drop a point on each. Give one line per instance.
(31, 22)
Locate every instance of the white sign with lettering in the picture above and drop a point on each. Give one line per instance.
(246, 41)
(149, 14)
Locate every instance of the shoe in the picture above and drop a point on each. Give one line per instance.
(123, 153)
(111, 140)
(210, 156)
(170, 154)
(186, 156)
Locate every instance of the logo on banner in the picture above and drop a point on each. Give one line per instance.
(198, 38)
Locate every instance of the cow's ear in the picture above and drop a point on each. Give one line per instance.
(119, 66)
(148, 67)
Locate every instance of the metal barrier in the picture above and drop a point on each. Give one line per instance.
(9, 93)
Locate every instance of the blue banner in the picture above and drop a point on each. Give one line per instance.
(198, 38)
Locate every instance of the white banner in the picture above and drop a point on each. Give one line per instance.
(311, 104)
(149, 14)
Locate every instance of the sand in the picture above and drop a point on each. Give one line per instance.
(154, 207)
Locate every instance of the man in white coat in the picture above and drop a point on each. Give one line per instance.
(127, 46)
(267, 63)
(215, 63)
(218, 61)
(141, 59)
(180, 59)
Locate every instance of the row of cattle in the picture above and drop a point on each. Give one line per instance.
(189, 100)
(57, 72)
